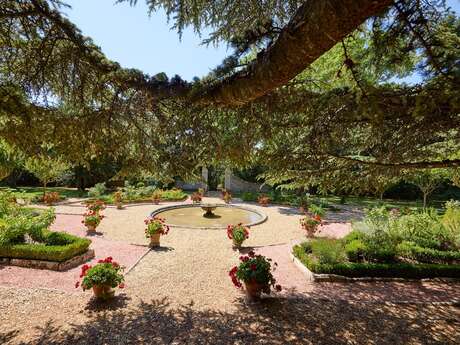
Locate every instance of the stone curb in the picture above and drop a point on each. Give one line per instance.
(173, 207)
(50, 265)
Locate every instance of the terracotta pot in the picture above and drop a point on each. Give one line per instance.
(91, 228)
(119, 205)
(237, 244)
(253, 290)
(156, 201)
(155, 240)
(103, 292)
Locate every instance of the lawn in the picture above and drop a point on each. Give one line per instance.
(32, 192)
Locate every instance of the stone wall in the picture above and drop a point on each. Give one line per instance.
(236, 185)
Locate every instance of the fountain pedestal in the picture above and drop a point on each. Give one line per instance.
(209, 210)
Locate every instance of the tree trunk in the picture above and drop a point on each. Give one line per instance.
(315, 28)
(44, 188)
(425, 196)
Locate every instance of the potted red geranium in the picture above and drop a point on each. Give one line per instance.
(96, 206)
(92, 220)
(155, 228)
(196, 198)
(237, 233)
(263, 200)
(310, 224)
(102, 278)
(255, 271)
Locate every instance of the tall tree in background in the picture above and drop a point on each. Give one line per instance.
(46, 168)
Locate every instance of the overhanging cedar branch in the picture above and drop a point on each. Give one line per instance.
(315, 28)
(446, 163)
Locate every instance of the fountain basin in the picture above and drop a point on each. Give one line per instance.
(191, 216)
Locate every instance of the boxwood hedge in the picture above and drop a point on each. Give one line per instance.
(393, 270)
(57, 246)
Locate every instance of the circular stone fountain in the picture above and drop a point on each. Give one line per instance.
(216, 216)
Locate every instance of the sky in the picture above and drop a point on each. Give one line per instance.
(130, 37)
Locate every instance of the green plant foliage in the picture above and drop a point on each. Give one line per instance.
(328, 251)
(57, 246)
(356, 250)
(249, 196)
(413, 251)
(98, 190)
(390, 270)
(46, 168)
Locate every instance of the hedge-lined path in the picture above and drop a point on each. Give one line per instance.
(181, 293)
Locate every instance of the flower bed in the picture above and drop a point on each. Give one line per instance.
(391, 244)
(371, 269)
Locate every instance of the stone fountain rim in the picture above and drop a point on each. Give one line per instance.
(263, 216)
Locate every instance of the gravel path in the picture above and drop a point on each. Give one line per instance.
(180, 293)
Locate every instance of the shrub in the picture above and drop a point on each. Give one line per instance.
(451, 221)
(58, 246)
(328, 251)
(316, 210)
(173, 194)
(98, 190)
(411, 251)
(396, 270)
(15, 226)
(249, 196)
(355, 250)
(254, 269)
(424, 229)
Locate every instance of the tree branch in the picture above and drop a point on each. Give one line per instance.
(446, 163)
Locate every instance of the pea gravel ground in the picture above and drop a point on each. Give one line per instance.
(181, 294)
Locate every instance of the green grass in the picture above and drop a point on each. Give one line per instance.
(32, 192)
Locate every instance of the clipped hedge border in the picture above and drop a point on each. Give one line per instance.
(71, 246)
(377, 270)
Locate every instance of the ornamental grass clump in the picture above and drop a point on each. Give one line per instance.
(102, 278)
(156, 227)
(255, 271)
(238, 234)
